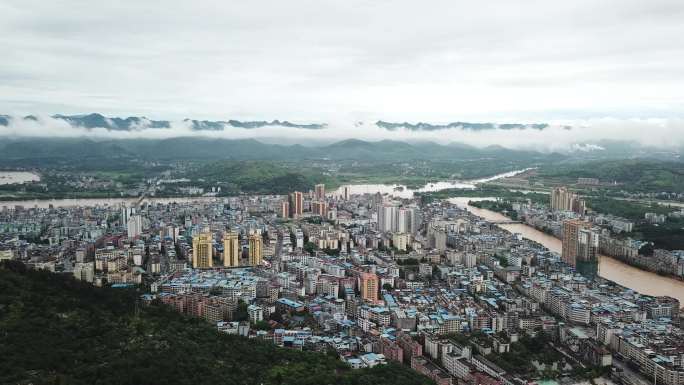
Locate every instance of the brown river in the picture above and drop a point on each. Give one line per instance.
(610, 268)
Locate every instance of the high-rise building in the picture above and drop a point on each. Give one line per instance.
(377, 201)
(580, 242)
(563, 199)
(587, 245)
(369, 287)
(387, 217)
(285, 209)
(405, 217)
(438, 238)
(296, 204)
(231, 249)
(319, 208)
(319, 191)
(84, 271)
(255, 256)
(401, 241)
(571, 230)
(126, 213)
(414, 220)
(202, 251)
(392, 218)
(345, 193)
(332, 214)
(134, 226)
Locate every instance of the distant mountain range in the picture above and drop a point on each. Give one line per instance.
(136, 123)
(200, 148)
(460, 125)
(31, 152)
(96, 120)
(190, 146)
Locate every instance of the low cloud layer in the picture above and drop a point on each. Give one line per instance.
(583, 135)
(404, 60)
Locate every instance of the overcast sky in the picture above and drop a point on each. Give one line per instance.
(322, 60)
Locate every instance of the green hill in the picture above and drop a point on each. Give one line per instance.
(631, 174)
(204, 148)
(262, 177)
(56, 330)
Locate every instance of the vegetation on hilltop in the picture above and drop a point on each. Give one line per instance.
(56, 330)
(204, 148)
(487, 191)
(262, 177)
(82, 179)
(634, 211)
(500, 206)
(418, 173)
(638, 175)
(668, 235)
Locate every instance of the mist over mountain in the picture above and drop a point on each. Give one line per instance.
(461, 125)
(589, 138)
(221, 125)
(130, 123)
(198, 148)
(34, 151)
(96, 120)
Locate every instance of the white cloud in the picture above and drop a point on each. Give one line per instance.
(583, 136)
(444, 60)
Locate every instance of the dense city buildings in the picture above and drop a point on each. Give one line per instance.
(615, 235)
(374, 278)
(341, 193)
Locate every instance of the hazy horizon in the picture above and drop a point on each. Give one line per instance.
(610, 69)
(564, 136)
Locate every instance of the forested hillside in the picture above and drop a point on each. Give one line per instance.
(630, 174)
(56, 330)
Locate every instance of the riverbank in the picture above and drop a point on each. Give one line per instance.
(646, 263)
(18, 177)
(399, 186)
(44, 200)
(610, 268)
(640, 263)
(93, 202)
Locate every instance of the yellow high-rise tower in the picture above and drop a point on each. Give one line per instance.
(369, 287)
(231, 249)
(255, 249)
(202, 251)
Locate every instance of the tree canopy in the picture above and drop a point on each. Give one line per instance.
(56, 330)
